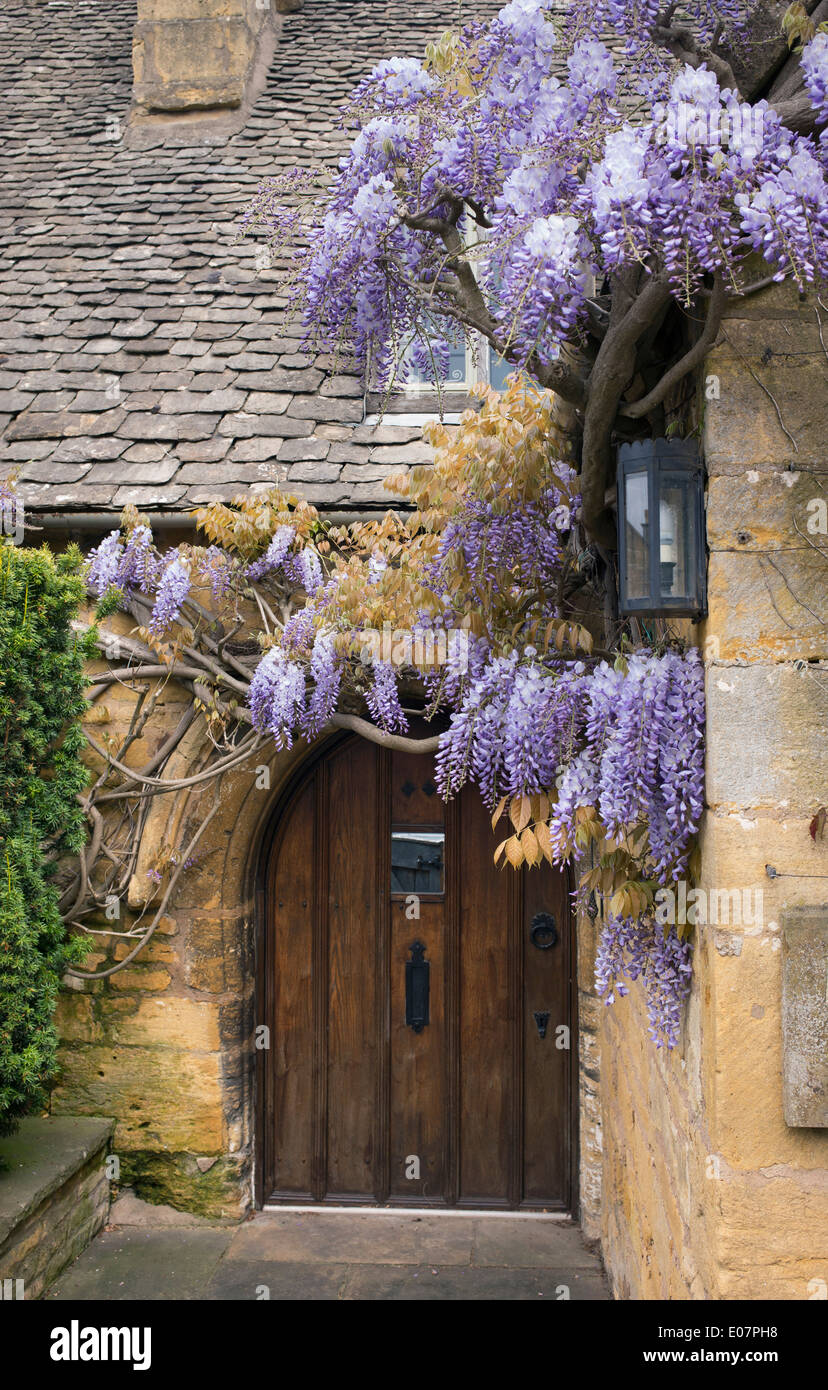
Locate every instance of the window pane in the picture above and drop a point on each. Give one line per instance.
(424, 375)
(457, 364)
(677, 527)
(417, 861)
(499, 369)
(636, 534)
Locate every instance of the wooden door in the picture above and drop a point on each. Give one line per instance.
(378, 901)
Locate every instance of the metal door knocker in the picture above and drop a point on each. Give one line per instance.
(543, 932)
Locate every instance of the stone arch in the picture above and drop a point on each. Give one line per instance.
(167, 1045)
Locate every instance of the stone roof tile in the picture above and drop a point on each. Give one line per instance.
(144, 356)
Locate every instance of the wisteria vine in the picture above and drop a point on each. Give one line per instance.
(527, 182)
(594, 757)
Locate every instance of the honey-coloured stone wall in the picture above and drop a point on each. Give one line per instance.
(707, 1192)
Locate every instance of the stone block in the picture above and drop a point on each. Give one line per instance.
(765, 607)
(805, 1016)
(164, 1098)
(772, 1235)
(191, 63)
(75, 1019)
(742, 428)
(782, 764)
(169, 1023)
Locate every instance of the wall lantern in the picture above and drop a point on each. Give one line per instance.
(661, 532)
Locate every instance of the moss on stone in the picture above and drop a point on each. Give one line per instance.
(175, 1180)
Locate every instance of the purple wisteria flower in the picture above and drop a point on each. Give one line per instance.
(382, 699)
(124, 565)
(277, 696)
(275, 555)
(140, 564)
(305, 569)
(631, 949)
(173, 588)
(104, 563)
(219, 569)
(326, 674)
(815, 72)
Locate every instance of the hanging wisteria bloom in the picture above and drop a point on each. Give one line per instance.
(125, 566)
(277, 696)
(173, 588)
(140, 564)
(305, 570)
(219, 569)
(815, 72)
(104, 563)
(325, 671)
(631, 949)
(383, 700)
(275, 555)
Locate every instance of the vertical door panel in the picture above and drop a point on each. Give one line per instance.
(350, 815)
(417, 1073)
(486, 1014)
(546, 1092)
(290, 1089)
(418, 1093)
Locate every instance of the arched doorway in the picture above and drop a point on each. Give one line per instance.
(420, 1002)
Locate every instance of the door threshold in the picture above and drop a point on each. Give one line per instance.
(356, 1209)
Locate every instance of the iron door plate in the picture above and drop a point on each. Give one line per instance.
(417, 984)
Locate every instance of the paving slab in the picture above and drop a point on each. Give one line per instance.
(355, 1238)
(175, 1263)
(322, 1255)
(532, 1244)
(451, 1283)
(284, 1281)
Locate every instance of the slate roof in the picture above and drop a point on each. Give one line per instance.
(143, 357)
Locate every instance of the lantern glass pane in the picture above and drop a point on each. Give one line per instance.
(677, 538)
(636, 579)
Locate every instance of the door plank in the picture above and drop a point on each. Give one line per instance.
(486, 1014)
(292, 1029)
(352, 832)
(546, 1131)
(418, 1101)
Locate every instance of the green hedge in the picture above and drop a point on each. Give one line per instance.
(42, 687)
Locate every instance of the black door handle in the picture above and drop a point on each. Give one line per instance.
(417, 980)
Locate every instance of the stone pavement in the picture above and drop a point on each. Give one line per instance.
(332, 1255)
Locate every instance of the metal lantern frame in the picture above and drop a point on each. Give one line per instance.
(662, 461)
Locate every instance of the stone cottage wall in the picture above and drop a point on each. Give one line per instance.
(707, 1192)
(166, 1045)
